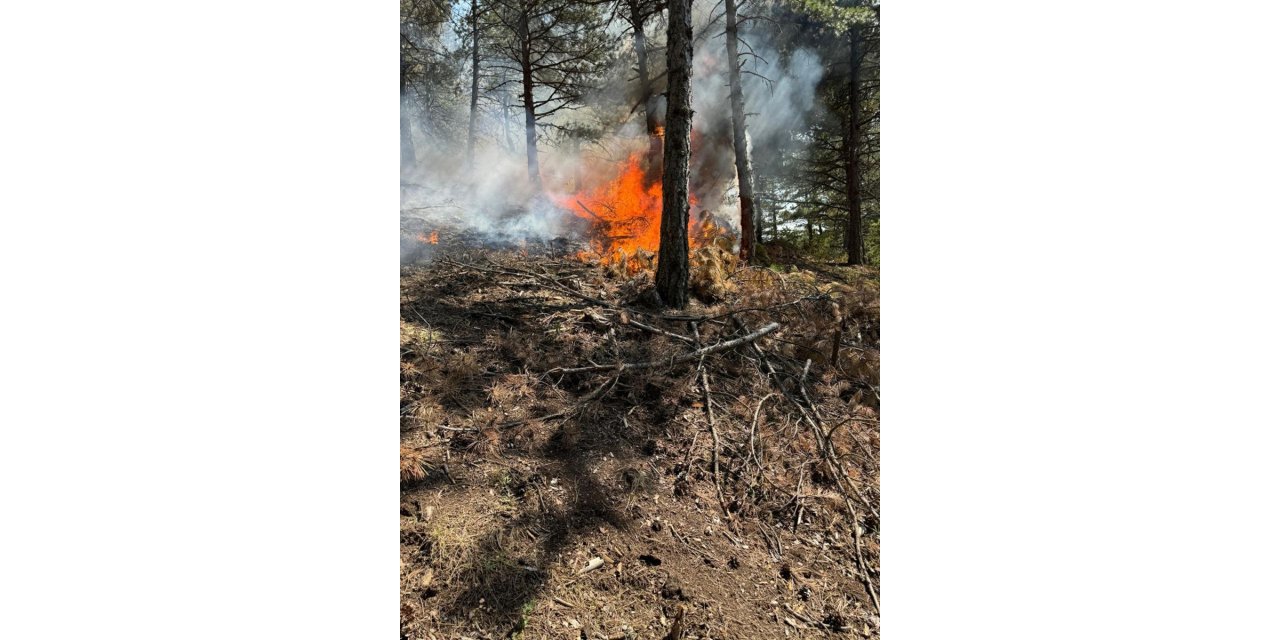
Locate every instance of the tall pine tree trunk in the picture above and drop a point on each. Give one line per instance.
(653, 160)
(672, 278)
(475, 85)
(853, 176)
(530, 117)
(741, 156)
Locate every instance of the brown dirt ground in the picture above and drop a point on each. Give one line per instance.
(504, 502)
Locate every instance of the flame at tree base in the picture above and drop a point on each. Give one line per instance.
(625, 217)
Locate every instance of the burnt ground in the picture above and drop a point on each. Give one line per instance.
(515, 476)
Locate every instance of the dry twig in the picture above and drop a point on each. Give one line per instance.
(715, 348)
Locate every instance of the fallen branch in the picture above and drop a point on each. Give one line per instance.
(862, 562)
(711, 422)
(810, 416)
(516, 423)
(755, 422)
(803, 618)
(589, 211)
(639, 325)
(688, 357)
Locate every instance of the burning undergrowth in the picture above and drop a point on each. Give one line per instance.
(721, 462)
(607, 209)
(623, 215)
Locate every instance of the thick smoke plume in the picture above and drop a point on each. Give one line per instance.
(494, 198)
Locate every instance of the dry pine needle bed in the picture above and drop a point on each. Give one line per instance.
(577, 462)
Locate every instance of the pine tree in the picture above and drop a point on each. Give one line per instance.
(556, 47)
(672, 277)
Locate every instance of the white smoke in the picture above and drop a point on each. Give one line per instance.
(496, 200)
(778, 93)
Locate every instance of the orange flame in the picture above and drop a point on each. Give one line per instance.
(434, 238)
(626, 214)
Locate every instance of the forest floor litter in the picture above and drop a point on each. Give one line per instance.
(578, 462)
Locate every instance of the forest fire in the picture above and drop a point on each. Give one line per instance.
(550, 313)
(625, 214)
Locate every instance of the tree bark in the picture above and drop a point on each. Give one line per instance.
(653, 160)
(741, 155)
(672, 278)
(530, 118)
(853, 176)
(475, 85)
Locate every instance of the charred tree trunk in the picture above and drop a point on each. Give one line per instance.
(530, 116)
(653, 166)
(475, 85)
(672, 278)
(741, 155)
(853, 176)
